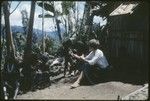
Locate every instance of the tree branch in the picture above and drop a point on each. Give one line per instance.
(15, 8)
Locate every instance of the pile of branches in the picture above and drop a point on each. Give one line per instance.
(15, 74)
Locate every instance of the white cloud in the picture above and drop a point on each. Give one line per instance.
(26, 7)
(81, 9)
(48, 24)
(58, 6)
(98, 19)
(103, 22)
(15, 18)
(80, 15)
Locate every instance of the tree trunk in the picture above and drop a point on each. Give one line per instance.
(43, 38)
(69, 24)
(9, 38)
(1, 35)
(74, 19)
(88, 26)
(57, 24)
(28, 50)
(58, 29)
(85, 13)
(66, 27)
(87, 22)
(25, 19)
(77, 19)
(65, 24)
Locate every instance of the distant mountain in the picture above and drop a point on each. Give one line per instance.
(16, 29)
(52, 34)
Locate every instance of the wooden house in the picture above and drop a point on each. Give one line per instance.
(127, 34)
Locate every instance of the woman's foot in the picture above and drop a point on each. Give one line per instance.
(76, 84)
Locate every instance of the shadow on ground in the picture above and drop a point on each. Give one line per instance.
(134, 73)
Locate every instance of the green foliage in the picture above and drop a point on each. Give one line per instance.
(66, 6)
(3, 47)
(25, 18)
(49, 44)
(20, 41)
(36, 48)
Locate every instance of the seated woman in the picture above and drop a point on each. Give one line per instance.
(79, 48)
(94, 60)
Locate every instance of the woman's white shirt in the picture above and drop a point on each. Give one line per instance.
(97, 58)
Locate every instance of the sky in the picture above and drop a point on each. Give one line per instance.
(15, 17)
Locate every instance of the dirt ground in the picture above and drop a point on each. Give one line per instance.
(101, 91)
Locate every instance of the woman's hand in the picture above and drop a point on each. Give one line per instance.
(76, 56)
(82, 58)
(79, 57)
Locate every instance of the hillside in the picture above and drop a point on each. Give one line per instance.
(52, 34)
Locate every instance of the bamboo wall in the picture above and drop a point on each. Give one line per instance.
(127, 37)
(127, 44)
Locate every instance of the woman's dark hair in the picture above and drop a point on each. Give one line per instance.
(80, 47)
(79, 44)
(67, 43)
(94, 43)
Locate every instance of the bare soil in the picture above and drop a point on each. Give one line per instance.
(110, 90)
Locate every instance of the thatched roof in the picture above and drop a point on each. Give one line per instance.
(48, 6)
(105, 10)
(124, 8)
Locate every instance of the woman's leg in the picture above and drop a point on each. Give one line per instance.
(88, 72)
(77, 82)
(80, 77)
(85, 72)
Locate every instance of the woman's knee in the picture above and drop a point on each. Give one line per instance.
(86, 64)
(87, 67)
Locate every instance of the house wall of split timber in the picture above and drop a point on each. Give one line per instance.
(128, 36)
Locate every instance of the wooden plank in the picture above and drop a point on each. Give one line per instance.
(131, 40)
